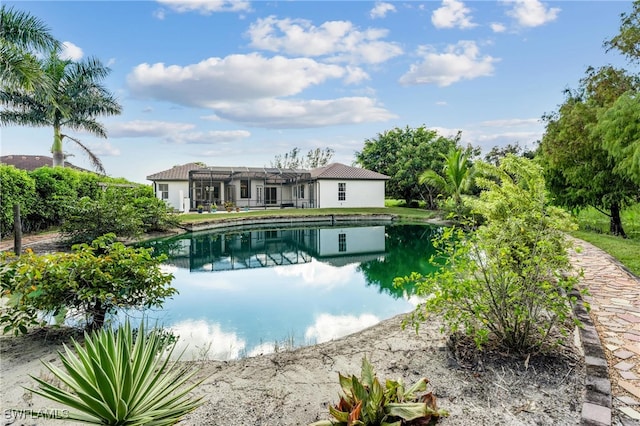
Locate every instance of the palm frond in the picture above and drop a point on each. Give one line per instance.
(25, 31)
(92, 157)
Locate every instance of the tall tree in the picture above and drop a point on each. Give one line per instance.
(293, 160)
(22, 35)
(580, 171)
(403, 154)
(74, 100)
(627, 41)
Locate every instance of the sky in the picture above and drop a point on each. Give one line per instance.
(235, 83)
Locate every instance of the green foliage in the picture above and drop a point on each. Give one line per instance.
(126, 212)
(293, 160)
(455, 178)
(627, 41)
(116, 379)
(403, 154)
(16, 187)
(509, 280)
(93, 280)
(365, 402)
(579, 169)
(619, 128)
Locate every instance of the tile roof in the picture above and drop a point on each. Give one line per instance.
(331, 171)
(340, 171)
(176, 173)
(32, 162)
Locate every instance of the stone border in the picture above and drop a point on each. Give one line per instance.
(596, 408)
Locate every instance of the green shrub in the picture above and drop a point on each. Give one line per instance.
(16, 187)
(365, 402)
(93, 280)
(508, 280)
(116, 379)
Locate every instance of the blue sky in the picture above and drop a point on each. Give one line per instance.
(235, 83)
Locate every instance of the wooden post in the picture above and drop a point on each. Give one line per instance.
(17, 230)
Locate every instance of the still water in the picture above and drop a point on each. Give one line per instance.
(250, 292)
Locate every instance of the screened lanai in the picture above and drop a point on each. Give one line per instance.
(249, 187)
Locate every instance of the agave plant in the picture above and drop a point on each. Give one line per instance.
(118, 380)
(366, 403)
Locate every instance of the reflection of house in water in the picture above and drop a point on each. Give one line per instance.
(260, 248)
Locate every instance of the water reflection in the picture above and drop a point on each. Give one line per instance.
(253, 291)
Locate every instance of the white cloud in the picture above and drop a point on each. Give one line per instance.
(278, 113)
(461, 61)
(338, 40)
(206, 7)
(511, 122)
(103, 149)
(381, 9)
(497, 27)
(452, 14)
(206, 341)
(328, 327)
(208, 138)
(318, 274)
(159, 14)
(532, 13)
(233, 78)
(71, 51)
(140, 128)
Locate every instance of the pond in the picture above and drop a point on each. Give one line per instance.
(250, 292)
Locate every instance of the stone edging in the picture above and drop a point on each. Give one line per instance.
(596, 408)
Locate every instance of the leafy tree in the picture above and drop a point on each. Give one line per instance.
(627, 41)
(75, 99)
(403, 154)
(506, 281)
(455, 178)
(580, 170)
(294, 160)
(22, 35)
(17, 187)
(126, 212)
(619, 128)
(93, 280)
(497, 153)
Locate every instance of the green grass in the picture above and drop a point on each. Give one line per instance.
(627, 251)
(590, 219)
(405, 214)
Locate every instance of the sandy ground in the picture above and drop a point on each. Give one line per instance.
(295, 387)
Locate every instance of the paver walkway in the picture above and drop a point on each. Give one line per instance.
(615, 310)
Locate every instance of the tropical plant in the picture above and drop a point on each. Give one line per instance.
(74, 99)
(455, 178)
(22, 35)
(402, 154)
(93, 280)
(365, 402)
(116, 379)
(510, 281)
(314, 158)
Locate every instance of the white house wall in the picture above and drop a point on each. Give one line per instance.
(369, 239)
(175, 187)
(359, 193)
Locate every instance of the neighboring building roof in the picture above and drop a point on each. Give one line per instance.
(331, 171)
(32, 162)
(176, 173)
(340, 171)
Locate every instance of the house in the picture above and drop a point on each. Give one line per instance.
(190, 185)
(32, 162)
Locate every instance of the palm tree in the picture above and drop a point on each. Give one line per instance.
(74, 100)
(20, 36)
(456, 177)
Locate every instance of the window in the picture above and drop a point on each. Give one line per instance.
(342, 242)
(342, 191)
(245, 188)
(301, 191)
(163, 188)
